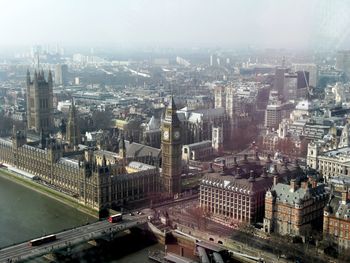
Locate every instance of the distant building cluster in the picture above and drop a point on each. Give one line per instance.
(264, 137)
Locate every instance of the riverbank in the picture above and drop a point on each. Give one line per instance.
(58, 196)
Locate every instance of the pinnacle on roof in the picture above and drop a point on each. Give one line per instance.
(172, 104)
(28, 76)
(49, 78)
(72, 111)
(122, 143)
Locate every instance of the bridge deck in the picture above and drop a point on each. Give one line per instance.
(68, 238)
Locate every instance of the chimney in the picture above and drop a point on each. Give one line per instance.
(223, 162)
(264, 174)
(304, 184)
(293, 185)
(246, 158)
(275, 180)
(238, 173)
(269, 158)
(257, 156)
(235, 161)
(274, 172)
(223, 171)
(344, 197)
(313, 182)
(211, 170)
(251, 176)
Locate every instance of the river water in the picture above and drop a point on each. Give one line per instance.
(26, 214)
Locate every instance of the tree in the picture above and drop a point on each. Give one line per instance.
(200, 216)
(303, 147)
(101, 119)
(6, 124)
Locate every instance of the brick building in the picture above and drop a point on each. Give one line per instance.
(295, 208)
(336, 220)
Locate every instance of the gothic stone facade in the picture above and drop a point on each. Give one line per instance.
(90, 178)
(39, 102)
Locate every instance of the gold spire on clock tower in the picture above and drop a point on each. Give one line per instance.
(171, 151)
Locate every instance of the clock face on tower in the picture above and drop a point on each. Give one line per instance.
(177, 135)
(166, 135)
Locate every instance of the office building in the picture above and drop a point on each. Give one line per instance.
(61, 74)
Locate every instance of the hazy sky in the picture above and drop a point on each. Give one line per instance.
(236, 23)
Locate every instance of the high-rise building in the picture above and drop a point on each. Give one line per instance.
(303, 79)
(295, 85)
(39, 102)
(290, 86)
(73, 131)
(343, 62)
(171, 151)
(213, 60)
(312, 71)
(273, 115)
(279, 80)
(61, 74)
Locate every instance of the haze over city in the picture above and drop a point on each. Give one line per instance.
(257, 23)
(175, 131)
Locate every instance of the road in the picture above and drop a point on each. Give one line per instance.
(70, 237)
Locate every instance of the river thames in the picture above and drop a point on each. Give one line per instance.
(26, 214)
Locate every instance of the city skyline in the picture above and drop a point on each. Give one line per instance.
(261, 24)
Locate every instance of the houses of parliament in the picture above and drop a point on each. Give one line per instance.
(96, 178)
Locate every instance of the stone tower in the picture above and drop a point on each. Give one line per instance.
(218, 140)
(220, 99)
(312, 155)
(39, 102)
(122, 147)
(73, 132)
(171, 151)
(345, 137)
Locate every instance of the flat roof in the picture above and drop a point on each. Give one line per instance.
(210, 246)
(171, 257)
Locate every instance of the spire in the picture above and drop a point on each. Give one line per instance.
(122, 143)
(14, 131)
(170, 113)
(42, 74)
(35, 76)
(122, 148)
(42, 138)
(172, 105)
(72, 112)
(72, 129)
(28, 77)
(49, 78)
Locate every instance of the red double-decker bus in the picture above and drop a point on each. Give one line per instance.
(115, 218)
(42, 240)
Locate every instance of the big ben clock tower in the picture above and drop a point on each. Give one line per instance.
(171, 151)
